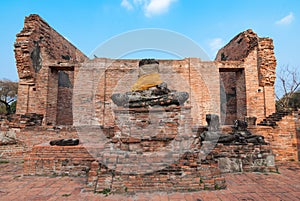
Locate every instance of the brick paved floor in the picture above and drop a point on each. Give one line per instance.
(242, 186)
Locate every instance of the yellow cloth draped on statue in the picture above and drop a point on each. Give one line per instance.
(147, 81)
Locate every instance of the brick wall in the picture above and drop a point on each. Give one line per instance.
(27, 138)
(37, 47)
(200, 79)
(103, 77)
(259, 63)
(56, 160)
(267, 72)
(255, 102)
(266, 62)
(284, 138)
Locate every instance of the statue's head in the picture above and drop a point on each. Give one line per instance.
(240, 125)
(147, 61)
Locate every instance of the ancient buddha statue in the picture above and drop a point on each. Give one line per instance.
(148, 75)
(149, 89)
(239, 135)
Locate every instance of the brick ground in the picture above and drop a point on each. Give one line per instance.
(243, 186)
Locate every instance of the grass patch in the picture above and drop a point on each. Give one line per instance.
(275, 172)
(17, 176)
(105, 191)
(4, 161)
(201, 181)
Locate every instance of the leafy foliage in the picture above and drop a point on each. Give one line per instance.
(13, 107)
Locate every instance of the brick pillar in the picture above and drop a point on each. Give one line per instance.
(23, 98)
(241, 95)
(269, 100)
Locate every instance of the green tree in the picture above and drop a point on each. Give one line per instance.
(8, 94)
(13, 107)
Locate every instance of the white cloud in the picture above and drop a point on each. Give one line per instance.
(286, 20)
(157, 7)
(216, 44)
(126, 4)
(149, 7)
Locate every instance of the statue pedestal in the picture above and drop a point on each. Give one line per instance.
(150, 129)
(153, 151)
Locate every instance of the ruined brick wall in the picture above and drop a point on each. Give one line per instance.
(57, 160)
(282, 138)
(37, 47)
(255, 101)
(103, 77)
(205, 89)
(259, 63)
(42, 54)
(239, 47)
(267, 72)
(27, 138)
(266, 62)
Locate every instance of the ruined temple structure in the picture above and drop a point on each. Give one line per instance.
(239, 83)
(63, 94)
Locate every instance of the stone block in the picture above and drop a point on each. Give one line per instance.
(227, 165)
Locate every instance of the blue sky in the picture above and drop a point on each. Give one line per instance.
(209, 23)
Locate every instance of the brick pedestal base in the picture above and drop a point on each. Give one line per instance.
(155, 154)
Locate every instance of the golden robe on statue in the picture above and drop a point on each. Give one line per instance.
(149, 90)
(148, 77)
